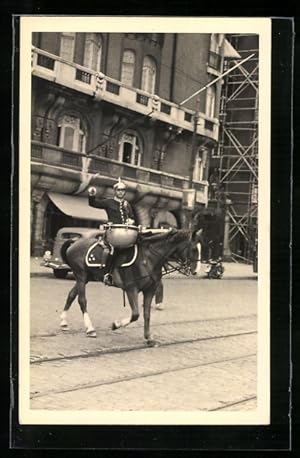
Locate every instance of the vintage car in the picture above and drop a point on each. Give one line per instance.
(53, 260)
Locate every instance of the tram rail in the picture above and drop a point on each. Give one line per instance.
(141, 345)
(128, 378)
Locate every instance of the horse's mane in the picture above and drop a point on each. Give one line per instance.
(174, 235)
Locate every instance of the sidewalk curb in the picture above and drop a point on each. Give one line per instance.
(171, 277)
(233, 271)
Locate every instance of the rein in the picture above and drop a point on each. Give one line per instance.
(184, 267)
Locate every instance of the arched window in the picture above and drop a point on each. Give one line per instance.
(92, 51)
(130, 148)
(67, 46)
(148, 75)
(70, 134)
(127, 71)
(210, 101)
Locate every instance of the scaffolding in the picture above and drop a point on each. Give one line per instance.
(238, 148)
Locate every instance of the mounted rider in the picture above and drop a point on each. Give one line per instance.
(119, 211)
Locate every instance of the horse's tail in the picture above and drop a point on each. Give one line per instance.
(64, 248)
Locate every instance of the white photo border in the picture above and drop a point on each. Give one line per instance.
(259, 26)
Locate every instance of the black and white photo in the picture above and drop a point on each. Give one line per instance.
(145, 221)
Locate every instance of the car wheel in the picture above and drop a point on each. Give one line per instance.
(60, 273)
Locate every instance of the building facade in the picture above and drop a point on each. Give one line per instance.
(109, 105)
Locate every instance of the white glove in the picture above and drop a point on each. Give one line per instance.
(130, 221)
(92, 191)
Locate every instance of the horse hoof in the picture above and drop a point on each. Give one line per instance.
(114, 326)
(91, 333)
(64, 327)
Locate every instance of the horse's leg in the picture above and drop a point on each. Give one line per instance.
(90, 330)
(159, 294)
(132, 295)
(71, 296)
(148, 296)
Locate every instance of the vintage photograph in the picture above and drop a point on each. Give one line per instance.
(144, 208)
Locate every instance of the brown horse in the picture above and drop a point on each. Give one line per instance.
(144, 275)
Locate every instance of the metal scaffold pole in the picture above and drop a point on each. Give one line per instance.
(188, 194)
(238, 149)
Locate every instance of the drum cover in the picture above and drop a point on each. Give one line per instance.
(121, 235)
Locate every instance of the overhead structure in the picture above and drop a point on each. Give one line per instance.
(238, 147)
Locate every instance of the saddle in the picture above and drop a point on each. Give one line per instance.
(98, 252)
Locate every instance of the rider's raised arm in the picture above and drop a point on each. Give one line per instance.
(94, 201)
(97, 203)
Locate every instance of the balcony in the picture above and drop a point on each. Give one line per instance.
(101, 87)
(52, 157)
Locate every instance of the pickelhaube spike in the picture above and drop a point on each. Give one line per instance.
(120, 184)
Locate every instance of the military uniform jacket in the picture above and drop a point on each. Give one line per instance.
(117, 210)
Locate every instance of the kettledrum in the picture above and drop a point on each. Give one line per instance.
(121, 235)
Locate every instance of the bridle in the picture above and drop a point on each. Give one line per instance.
(183, 265)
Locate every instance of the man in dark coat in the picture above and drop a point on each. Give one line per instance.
(211, 239)
(119, 211)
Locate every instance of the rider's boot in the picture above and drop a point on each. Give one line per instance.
(107, 279)
(107, 263)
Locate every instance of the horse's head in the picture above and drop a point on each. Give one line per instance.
(186, 251)
(176, 245)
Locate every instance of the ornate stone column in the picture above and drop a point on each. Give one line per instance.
(38, 207)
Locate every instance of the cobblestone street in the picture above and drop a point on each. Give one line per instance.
(163, 378)
(206, 358)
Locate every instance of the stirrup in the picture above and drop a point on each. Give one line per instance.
(107, 279)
